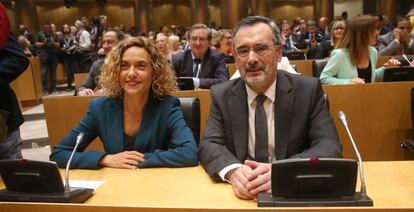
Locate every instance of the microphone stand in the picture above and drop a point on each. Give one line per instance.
(78, 140)
(363, 197)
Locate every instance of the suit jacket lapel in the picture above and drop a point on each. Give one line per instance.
(205, 66)
(115, 127)
(239, 122)
(283, 114)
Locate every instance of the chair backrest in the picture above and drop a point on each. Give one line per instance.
(191, 111)
(295, 55)
(397, 74)
(318, 66)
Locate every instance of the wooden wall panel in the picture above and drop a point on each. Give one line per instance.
(291, 9)
(117, 12)
(168, 13)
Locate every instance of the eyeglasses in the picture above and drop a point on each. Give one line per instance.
(403, 28)
(339, 28)
(260, 49)
(200, 39)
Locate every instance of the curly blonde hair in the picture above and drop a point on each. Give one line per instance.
(163, 77)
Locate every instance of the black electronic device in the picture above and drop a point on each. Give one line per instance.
(37, 181)
(397, 74)
(317, 182)
(185, 83)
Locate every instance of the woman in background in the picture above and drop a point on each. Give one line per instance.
(139, 123)
(325, 47)
(354, 59)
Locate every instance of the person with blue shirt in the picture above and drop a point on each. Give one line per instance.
(139, 123)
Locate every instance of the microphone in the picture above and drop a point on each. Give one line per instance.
(342, 117)
(406, 59)
(78, 140)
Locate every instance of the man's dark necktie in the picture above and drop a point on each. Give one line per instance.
(261, 152)
(196, 67)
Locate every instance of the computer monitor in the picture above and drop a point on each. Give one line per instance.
(398, 74)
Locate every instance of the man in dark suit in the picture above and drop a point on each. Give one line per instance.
(264, 116)
(13, 62)
(207, 67)
(312, 36)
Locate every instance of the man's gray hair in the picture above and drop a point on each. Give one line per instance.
(199, 26)
(252, 20)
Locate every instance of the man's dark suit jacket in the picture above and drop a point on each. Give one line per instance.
(303, 126)
(213, 68)
(13, 62)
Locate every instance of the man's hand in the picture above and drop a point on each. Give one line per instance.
(124, 160)
(397, 34)
(238, 180)
(260, 177)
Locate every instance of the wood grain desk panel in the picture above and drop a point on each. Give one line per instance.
(28, 86)
(62, 113)
(389, 184)
(303, 66)
(379, 117)
(79, 78)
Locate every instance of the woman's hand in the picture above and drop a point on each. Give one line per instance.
(123, 160)
(357, 80)
(86, 92)
(392, 63)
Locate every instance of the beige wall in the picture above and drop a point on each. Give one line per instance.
(167, 13)
(353, 7)
(117, 12)
(291, 9)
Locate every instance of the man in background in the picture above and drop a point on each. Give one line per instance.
(206, 66)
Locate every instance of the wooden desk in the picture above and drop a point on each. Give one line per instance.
(79, 78)
(379, 117)
(389, 184)
(28, 86)
(303, 66)
(231, 69)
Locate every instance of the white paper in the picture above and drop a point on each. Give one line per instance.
(93, 184)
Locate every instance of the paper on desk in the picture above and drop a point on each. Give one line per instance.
(93, 184)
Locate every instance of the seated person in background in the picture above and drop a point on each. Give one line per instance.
(264, 116)
(174, 44)
(139, 123)
(161, 41)
(325, 47)
(323, 27)
(206, 66)
(312, 37)
(222, 42)
(398, 41)
(354, 60)
(109, 40)
(283, 64)
(288, 39)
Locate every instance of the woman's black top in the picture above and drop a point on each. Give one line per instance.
(365, 73)
(129, 142)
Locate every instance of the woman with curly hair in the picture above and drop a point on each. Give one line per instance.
(139, 123)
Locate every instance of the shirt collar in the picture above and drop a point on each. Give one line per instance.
(270, 93)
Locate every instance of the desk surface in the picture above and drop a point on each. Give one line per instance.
(389, 184)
